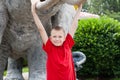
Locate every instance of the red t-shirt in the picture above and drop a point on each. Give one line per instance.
(59, 60)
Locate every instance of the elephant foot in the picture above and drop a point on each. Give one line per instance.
(14, 76)
(38, 77)
(13, 79)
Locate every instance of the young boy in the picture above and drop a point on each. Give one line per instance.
(58, 48)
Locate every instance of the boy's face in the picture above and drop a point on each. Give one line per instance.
(57, 37)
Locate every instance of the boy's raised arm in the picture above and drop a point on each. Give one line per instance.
(38, 23)
(75, 20)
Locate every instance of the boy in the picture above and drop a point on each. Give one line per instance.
(58, 48)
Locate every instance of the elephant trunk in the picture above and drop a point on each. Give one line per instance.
(47, 4)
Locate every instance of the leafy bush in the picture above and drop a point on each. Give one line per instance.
(115, 15)
(99, 40)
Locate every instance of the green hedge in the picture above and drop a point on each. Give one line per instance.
(115, 15)
(99, 40)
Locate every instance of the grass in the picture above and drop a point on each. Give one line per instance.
(101, 79)
(116, 79)
(25, 69)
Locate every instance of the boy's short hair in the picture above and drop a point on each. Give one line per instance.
(58, 28)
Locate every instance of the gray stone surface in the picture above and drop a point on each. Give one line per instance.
(25, 76)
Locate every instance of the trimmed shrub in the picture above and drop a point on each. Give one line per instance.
(115, 15)
(99, 40)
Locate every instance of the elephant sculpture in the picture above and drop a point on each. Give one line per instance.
(19, 37)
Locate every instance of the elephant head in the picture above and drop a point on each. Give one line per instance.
(46, 4)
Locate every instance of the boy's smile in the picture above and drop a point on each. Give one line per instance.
(57, 37)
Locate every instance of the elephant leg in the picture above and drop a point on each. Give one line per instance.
(36, 63)
(4, 53)
(14, 69)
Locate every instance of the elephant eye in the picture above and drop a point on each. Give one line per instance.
(42, 0)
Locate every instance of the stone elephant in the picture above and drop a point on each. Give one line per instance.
(19, 37)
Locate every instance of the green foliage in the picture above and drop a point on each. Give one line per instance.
(107, 7)
(115, 15)
(99, 40)
(111, 5)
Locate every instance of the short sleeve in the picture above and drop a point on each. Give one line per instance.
(46, 47)
(70, 40)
